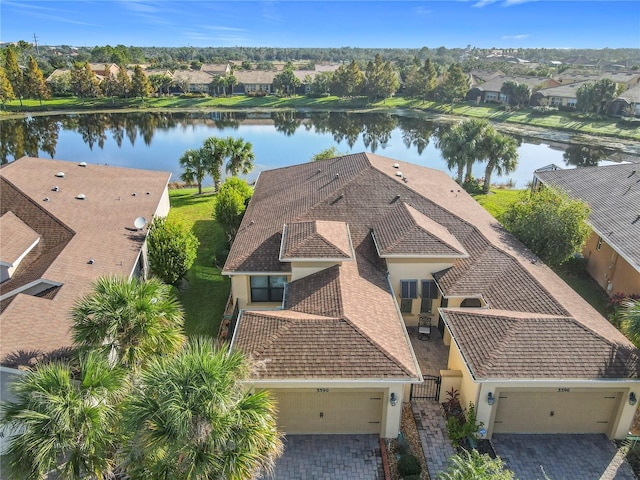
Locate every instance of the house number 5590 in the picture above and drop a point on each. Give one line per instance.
(322, 390)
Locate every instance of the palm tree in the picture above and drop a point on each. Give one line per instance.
(191, 417)
(462, 146)
(66, 426)
(631, 320)
(501, 153)
(129, 321)
(194, 167)
(240, 156)
(213, 152)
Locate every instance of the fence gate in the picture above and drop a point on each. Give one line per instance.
(429, 388)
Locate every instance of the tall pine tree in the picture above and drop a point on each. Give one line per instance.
(34, 82)
(14, 73)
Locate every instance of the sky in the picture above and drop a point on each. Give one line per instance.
(325, 23)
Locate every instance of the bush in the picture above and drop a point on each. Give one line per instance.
(260, 93)
(409, 465)
(172, 250)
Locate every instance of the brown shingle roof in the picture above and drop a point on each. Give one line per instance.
(405, 231)
(613, 193)
(499, 344)
(72, 232)
(16, 238)
(360, 190)
(317, 240)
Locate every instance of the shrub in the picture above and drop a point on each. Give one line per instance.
(172, 250)
(409, 465)
(260, 93)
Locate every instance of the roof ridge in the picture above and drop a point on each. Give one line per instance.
(391, 357)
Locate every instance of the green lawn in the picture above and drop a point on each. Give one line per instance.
(571, 121)
(572, 272)
(206, 293)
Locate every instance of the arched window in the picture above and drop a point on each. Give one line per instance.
(471, 302)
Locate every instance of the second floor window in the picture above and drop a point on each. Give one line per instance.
(267, 288)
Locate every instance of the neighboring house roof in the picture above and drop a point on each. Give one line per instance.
(216, 68)
(564, 91)
(257, 77)
(478, 77)
(72, 231)
(194, 77)
(631, 96)
(360, 190)
(505, 344)
(613, 193)
(495, 84)
(317, 240)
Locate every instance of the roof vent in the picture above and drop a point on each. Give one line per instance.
(82, 164)
(55, 189)
(46, 199)
(60, 174)
(139, 223)
(133, 194)
(148, 193)
(396, 165)
(81, 196)
(337, 175)
(398, 173)
(91, 261)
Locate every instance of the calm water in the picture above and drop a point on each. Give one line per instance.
(156, 140)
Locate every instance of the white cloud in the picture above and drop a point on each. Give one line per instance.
(515, 37)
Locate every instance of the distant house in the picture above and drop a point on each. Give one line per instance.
(613, 193)
(193, 81)
(490, 91)
(254, 81)
(478, 77)
(627, 103)
(62, 226)
(336, 265)
(562, 96)
(104, 70)
(220, 69)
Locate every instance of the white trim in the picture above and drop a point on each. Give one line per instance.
(28, 286)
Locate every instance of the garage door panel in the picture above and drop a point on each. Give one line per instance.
(311, 411)
(555, 412)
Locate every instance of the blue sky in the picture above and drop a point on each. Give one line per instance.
(394, 24)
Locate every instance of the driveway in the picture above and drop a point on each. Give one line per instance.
(330, 457)
(561, 457)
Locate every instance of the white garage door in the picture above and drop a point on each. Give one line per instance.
(559, 411)
(328, 411)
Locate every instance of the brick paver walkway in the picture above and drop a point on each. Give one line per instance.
(432, 430)
(330, 457)
(562, 457)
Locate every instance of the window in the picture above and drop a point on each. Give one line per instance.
(429, 294)
(471, 303)
(599, 245)
(408, 291)
(267, 288)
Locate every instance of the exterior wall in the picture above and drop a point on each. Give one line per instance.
(415, 269)
(622, 418)
(164, 205)
(304, 269)
(469, 388)
(612, 272)
(391, 415)
(241, 291)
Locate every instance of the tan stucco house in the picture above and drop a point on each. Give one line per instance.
(336, 260)
(613, 194)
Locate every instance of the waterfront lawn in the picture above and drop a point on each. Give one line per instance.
(569, 121)
(498, 200)
(206, 291)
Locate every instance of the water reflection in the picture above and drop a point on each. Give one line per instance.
(279, 138)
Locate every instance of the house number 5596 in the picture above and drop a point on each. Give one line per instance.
(322, 390)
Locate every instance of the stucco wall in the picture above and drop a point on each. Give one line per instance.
(304, 269)
(468, 387)
(612, 272)
(240, 288)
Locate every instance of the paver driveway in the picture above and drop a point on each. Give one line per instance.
(562, 457)
(330, 457)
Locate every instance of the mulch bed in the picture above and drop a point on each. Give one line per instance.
(410, 433)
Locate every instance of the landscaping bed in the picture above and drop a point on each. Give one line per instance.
(409, 432)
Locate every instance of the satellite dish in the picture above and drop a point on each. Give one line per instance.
(139, 223)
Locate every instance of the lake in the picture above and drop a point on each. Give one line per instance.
(156, 140)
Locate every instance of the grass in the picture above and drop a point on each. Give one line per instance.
(573, 272)
(570, 121)
(206, 293)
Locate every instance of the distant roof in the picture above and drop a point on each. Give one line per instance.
(193, 76)
(630, 96)
(504, 344)
(72, 231)
(569, 90)
(613, 193)
(495, 84)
